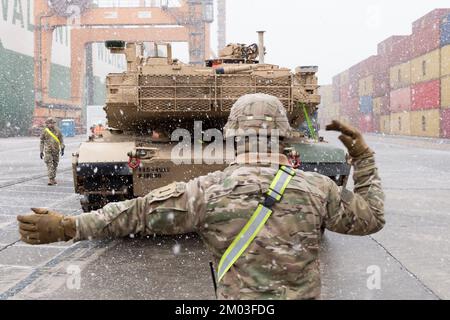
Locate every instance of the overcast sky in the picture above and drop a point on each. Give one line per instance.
(329, 33)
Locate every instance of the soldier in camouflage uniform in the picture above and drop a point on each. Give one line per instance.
(52, 144)
(282, 261)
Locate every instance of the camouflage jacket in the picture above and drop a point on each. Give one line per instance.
(282, 262)
(49, 144)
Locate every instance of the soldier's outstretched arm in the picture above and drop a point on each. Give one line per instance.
(360, 212)
(175, 209)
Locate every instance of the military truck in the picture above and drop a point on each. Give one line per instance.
(158, 95)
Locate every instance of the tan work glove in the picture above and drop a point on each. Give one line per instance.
(351, 138)
(46, 226)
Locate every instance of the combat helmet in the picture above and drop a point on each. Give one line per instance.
(258, 113)
(50, 120)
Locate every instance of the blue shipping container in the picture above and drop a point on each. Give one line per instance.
(445, 32)
(366, 104)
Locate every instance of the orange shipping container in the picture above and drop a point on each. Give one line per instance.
(381, 105)
(425, 123)
(426, 67)
(445, 61)
(445, 92)
(366, 86)
(345, 77)
(400, 123)
(385, 124)
(400, 75)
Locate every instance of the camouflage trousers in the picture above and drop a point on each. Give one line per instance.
(52, 161)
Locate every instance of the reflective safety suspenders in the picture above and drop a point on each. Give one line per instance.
(257, 221)
(52, 135)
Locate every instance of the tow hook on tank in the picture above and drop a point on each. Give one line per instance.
(139, 154)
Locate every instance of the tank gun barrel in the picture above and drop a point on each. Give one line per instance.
(236, 69)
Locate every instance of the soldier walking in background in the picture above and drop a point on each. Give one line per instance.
(260, 218)
(52, 144)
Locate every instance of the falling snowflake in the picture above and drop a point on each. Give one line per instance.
(176, 249)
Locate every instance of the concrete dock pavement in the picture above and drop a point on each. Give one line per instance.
(411, 254)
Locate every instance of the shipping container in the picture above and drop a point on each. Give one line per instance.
(366, 86)
(369, 66)
(345, 96)
(426, 35)
(366, 105)
(426, 95)
(376, 123)
(426, 67)
(353, 89)
(351, 108)
(425, 123)
(400, 123)
(430, 18)
(396, 50)
(385, 124)
(400, 100)
(445, 123)
(345, 77)
(445, 31)
(445, 92)
(366, 123)
(336, 86)
(445, 61)
(381, 77)
(400, 75)
(355, 74)
(381, 105)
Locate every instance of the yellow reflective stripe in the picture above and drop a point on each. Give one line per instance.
(275, 181)
(285, 184)
(241, 234)
(52, 135)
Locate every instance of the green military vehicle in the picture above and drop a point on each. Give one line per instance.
(158, 95)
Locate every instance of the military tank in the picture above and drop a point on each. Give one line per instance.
(158, 95)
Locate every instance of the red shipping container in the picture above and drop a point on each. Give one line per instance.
(430, 18)
(401, 100)
(366, 123)
(381, 83)
(426, 95)
(369, 66)
(345, 96)
(426, 35)
(445, 123)
(351, 108)
(381, 77)
(396, 50)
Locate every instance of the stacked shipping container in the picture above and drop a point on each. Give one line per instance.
(405, 89)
